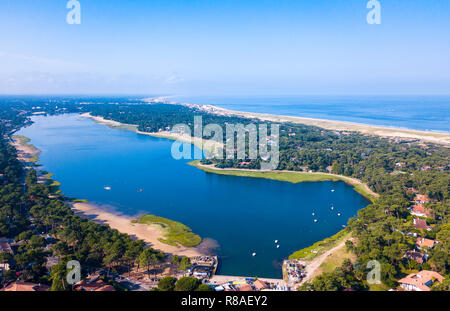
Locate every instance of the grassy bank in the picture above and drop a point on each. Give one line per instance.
(293, 177)
(310, 252)
(25, 141)
(176, 231)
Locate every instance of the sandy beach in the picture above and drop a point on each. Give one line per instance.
(427, 136)
(383, 131)
(147, 233)
(25, 150)
(208, 145)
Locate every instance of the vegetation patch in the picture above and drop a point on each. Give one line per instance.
(318, 248)
(292, 177)
(176, 231)
(336, 259)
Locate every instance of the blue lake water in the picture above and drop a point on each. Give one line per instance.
(413, 112)
(243, 215)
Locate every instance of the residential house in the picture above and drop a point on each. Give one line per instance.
(421, 211)
(422, 242)
(260, 285)
(20, 286)
(421, 281)
(416, 256)
(245, 288)
(421, 224)
(421, 199)
(93, 284)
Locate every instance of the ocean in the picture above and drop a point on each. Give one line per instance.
(428, 113)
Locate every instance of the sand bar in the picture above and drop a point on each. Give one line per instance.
(147, 233)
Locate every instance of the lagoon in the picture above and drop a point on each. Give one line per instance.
(242, 215)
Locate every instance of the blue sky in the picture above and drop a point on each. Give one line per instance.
(209, 47)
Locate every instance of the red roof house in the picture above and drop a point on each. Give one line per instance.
(260, 285)
(20, 286)
(421, 198)
(421, 281)
(420, 211)
(421, 224)
(416, 256)
(422, 242)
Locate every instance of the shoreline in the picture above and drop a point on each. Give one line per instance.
(152, 233)
(147, 233)
(314, 263)
(26, 151)
(287, 176)
(203, 144)
(438, 137)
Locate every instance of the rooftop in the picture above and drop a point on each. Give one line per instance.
(422, 280)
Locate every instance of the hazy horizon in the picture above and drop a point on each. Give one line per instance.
(224, 48)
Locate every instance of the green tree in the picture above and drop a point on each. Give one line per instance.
(187, 284)
(167, 283)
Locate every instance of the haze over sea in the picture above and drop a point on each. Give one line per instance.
(428, 113)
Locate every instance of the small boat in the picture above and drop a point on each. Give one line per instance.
(332, 190)
(276, 241)
(254, 254)
(140, 190)
(313, 214)
(339, 214)
(107, 188)
(315, 220)
(332, 208)
(278, 246)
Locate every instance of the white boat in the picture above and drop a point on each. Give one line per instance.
(254, 254)
(278, 246)
(107, 188)
(339, 214)
(315, 220)
(332, 190)
(276, 241)
(313, 214)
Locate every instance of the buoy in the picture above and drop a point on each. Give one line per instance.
(254, 254)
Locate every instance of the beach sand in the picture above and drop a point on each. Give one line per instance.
(25, 150)
(383, 131)
(427, 136)
(147, 233)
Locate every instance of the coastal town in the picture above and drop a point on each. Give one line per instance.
(204, 267)
(157, 263)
